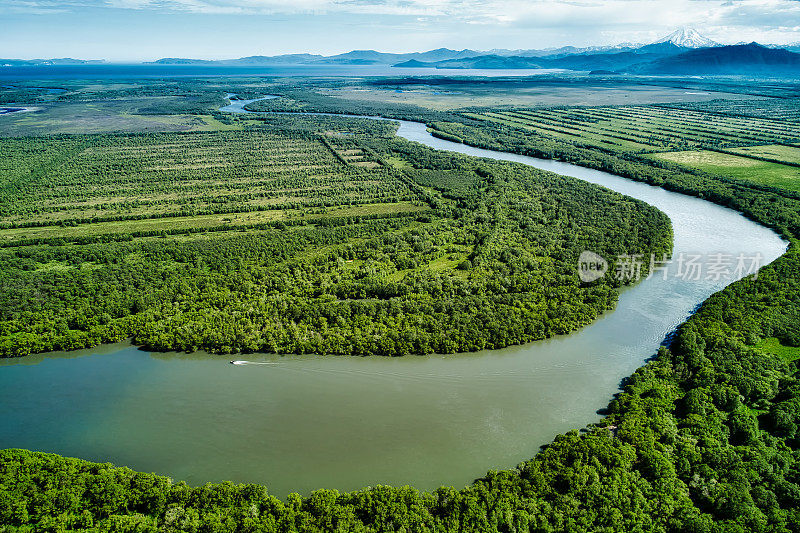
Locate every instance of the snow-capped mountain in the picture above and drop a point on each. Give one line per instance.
(687, 38)
(792, 47)
(564, 50)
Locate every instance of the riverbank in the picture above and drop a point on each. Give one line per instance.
(692, 443)
(451, 416)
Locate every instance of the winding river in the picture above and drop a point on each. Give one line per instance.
(306, 422)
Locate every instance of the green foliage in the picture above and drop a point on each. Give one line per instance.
(491, 264)
(305, 97)
(779, 110)
(773, 207)
(703, 438)
(644, 128)
(92, 178)
(681, 450)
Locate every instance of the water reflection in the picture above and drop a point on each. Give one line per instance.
(307, 422)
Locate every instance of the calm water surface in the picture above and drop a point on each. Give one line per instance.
(138, 71)
(304, 422)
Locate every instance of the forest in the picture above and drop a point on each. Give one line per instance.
(704, 437)
(293, 240)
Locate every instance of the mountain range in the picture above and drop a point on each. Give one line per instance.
(684, 51)
(738, 59)
(655, 59)
(356, 57)
(594, 60)
(680, 40)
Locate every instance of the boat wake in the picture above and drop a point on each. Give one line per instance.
(251, 363)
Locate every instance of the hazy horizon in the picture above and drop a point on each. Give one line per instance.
(130, 31)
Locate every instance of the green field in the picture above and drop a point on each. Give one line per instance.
(332, 236)
(82, 179)
(213, 222)
(454, 95)
(111, 115)
(737, 167)
(778, 152)
(643, 128)
(562, 131)
(777, 110)
(774, 346)
(460, 254)
(92, 106)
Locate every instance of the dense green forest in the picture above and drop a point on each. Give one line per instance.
(293, 237)
(704, 437)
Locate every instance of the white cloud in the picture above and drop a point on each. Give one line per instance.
(538, 13)
(607, 20)
(36, 7)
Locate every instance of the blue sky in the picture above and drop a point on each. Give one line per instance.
(133, 30)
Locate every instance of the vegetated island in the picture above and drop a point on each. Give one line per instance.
(704, 438)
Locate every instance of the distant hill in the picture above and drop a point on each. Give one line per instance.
(242, 61)
(604, 58)
(610, 61)
(615, 62)
(355, 57)
(737, 59)
(564, 50)
(360, 57)
(181, 61)
(45, 62)
(413, 63)
(664, 48)
(684, 51)
(479, 62)
(286, 59)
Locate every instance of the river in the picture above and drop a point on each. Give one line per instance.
(309, 422)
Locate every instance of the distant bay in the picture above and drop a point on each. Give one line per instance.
(171, 71)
